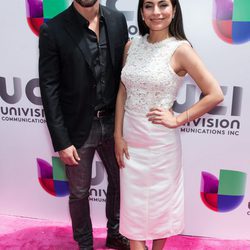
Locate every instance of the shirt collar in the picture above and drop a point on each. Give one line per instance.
(82, 20)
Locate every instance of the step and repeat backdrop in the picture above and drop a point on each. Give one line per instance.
(216, 156)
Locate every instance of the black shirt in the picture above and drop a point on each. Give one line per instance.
(100, 62)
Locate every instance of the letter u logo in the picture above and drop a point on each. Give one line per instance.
(231, 20)
(225, 194)
(39, 11)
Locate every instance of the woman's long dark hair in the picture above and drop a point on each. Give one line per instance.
(176, 27)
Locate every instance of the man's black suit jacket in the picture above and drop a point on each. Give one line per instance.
(67, 83)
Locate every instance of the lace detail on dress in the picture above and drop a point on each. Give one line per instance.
(147, 75)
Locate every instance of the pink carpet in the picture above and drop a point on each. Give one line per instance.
(32, 234)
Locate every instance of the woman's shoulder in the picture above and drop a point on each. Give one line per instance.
(137, 39)
(181, 46)
(184, 51)
(133, 42)
(179, 42)
(127, 46)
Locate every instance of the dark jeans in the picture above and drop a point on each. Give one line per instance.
(101, 140)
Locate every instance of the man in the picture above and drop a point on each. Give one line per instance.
(79, 68)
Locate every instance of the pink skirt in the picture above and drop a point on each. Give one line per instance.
(152, 197)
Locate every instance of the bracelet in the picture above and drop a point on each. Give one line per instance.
(187, 114)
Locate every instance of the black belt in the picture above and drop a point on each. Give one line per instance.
(103, 112)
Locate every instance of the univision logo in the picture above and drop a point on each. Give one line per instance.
(40, 11)
(231, 20)
(225, 194)
(54, 181)
(53, 178)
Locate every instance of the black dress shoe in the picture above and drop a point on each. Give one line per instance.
(117, 242)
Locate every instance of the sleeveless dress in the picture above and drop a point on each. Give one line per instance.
(152, 199)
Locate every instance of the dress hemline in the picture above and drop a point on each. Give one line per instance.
(177, 232)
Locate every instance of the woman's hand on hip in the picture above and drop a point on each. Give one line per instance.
(162, 116)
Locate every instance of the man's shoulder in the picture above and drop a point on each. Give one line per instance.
(56, 23)
(59, 17)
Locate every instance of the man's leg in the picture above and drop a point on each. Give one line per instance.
(106, 153)
(79, 184)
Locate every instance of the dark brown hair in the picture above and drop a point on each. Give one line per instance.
(176, 27)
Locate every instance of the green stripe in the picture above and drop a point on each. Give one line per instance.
(53, 7)
(241, 12)
(58, 169)
(232, 182)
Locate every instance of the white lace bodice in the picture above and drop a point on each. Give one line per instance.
(147, 75)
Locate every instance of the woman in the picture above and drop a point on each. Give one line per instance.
(145, 127)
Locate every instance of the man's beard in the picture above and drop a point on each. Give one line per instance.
(86, 3)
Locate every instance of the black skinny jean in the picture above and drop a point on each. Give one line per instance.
(101, 140)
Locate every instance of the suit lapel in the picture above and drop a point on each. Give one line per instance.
(111, 27)
(76, 32)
